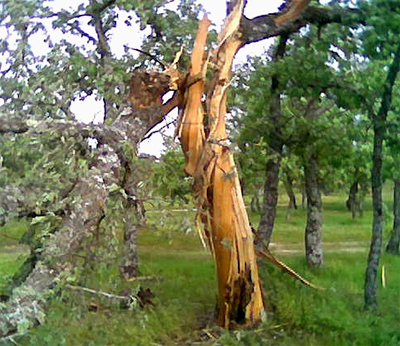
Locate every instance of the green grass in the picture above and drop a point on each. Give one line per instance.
(184, 288)
(12, 254)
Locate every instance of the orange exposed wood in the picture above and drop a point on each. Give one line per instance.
(292, 12)
(192, 129)
(216, 185)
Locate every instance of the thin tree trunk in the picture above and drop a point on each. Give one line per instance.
(379, 125)
(130, 263)
(255, 202)
(394, 241)
(288, 182)
(352, 201)
(371, 300)
(313, 231)
(268, 211)
(303, 197)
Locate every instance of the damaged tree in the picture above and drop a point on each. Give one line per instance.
(204, 141)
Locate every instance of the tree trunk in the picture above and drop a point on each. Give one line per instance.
(352, 202)
(216, 184)
(26, 305)
(370, 287)
(379, 124)
(268, 211)
(255, 206)
(132, 222)
(313, 231)
(394, 241)
(288, 183)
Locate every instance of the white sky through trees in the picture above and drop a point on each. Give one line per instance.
(91, 109)
(217, 11)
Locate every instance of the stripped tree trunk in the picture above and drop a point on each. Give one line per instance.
(313, 231)
(394, 241)
(216, 186)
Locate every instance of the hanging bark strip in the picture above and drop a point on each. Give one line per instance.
(217, 187)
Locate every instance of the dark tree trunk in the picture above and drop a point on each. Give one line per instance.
(288, 183)
(352, 202)
(379, 124)
(370, 287)
(268, 210)
(255, 201)
(303, 198)
(313, 231)
(394, 241)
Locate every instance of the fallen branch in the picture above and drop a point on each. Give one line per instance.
(142, 298)
(271, 258)
(130, 298)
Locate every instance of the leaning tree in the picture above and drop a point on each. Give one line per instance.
(91, 165)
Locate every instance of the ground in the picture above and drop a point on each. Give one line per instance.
(180, 273)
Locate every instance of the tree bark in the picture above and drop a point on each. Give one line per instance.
(394, 241)
(288, 182)
(379, 125)
(352, 201)
(268, 211)
(26, 306)
(313, 231)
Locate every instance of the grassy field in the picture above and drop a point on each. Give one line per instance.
(183, 282)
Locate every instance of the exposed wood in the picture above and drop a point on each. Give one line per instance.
(216, 185)
(191, 131)
(291, 12)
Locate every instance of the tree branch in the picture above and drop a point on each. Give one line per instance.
(270, 25)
